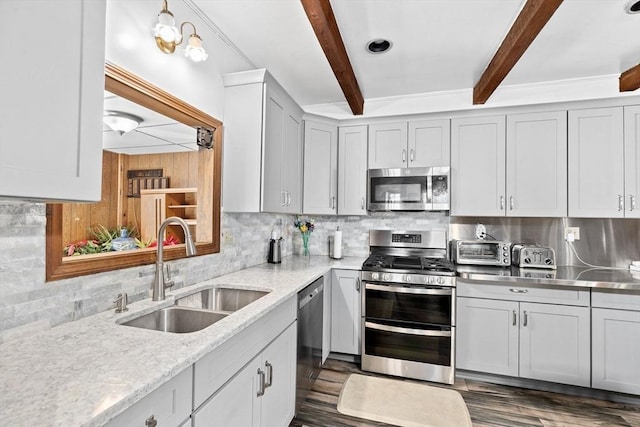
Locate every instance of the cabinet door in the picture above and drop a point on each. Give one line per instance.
(388, 145)
(273, 194)
(537, 164)
(152, 214)
(345, 311)
(429, 143)
(555, 343)
(478, 166)
(596, 163)
(51, 105)
(237, 404)
(279, 364)
(616, 350)
(487, 336)
(320, 168)
(292, 163)
(632, 161)
(352, 170)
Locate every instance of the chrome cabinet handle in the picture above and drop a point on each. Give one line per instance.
(411, 154)
(151, 421)
(526, 318)
(269, 367)
(518, 291)
(515, 318)
(510, 203)
(358, 284)
(632, 202)
(283, 198)
(333, 202)
(261, 384)
(362, 203)
(501, 203)
(404, 156)
(620, 202)
(288, 198)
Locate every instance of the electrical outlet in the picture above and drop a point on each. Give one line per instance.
(228, 237)
(571, 234)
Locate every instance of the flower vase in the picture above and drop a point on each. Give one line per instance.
(305, 246)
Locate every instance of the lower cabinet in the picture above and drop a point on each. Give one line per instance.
(261, 394)
(169, 405)
(615, 332)
(524, 339)
(345, 311)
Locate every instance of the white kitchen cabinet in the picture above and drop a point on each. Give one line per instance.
(52, 100)
(261, 394)
(615, 318)
(169, 405)
(352, 170)
(263, 145)
(632, 161)
(596, 163)
(534, 340)
(320, 168)
(421, 143)
(345, 311)
(513, 166)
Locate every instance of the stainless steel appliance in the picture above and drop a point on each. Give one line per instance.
(533, 256)
(482, 252)
(408, 305)
(309, 338)
(410, 189)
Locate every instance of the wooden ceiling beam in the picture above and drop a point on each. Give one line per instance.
(324, 25)
(532, 18)
(630, 79)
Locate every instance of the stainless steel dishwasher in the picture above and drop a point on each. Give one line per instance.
(309, 338)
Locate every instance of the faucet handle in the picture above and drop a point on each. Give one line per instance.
(168, 281)
(121, 303)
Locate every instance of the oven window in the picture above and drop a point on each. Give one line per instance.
(480, 251)
(435, 350)
(409, 307)
(399, 190)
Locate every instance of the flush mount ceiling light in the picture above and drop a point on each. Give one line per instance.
(168, 36)
(121, 122)
(379, 46)
(634, 7)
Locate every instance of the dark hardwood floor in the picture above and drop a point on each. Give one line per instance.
(489, 405)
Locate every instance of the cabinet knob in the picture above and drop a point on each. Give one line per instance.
(151, 421)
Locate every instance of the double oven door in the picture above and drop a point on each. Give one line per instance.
(409, 330)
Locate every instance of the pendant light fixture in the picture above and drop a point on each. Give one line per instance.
(168, 36)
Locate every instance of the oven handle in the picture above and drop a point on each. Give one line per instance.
(407, 331)
(403, 290)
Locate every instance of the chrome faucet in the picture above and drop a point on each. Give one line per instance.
(159, 282)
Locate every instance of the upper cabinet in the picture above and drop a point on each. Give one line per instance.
(352, 170)
(320, 168)
(514, 165)
(632, 161)
(51, 103)
(414, 144)
(596, 163)
(263, 149)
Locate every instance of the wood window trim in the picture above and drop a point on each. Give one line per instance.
(133, 88)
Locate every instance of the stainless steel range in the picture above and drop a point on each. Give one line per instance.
(408, 305)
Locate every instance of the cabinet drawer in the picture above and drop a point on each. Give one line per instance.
(170, 404)
(216, 368)
(624, 300)
(517, 292)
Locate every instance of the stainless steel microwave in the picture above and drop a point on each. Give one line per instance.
(409, 189)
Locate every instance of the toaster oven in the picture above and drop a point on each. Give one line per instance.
(482, 252)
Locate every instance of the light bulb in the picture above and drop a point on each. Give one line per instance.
(194, 50)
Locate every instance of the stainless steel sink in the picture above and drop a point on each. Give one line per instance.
(175, 319)
(221, 299)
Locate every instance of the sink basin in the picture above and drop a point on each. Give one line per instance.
(221, 299)
(178, 320)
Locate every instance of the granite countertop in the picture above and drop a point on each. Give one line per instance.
(84, 373)
(583, 277)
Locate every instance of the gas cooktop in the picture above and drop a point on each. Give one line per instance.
(409, 264)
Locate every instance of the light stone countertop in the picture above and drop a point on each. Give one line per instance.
(84, 373)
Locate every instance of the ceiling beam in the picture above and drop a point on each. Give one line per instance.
(630, 79)
(532, 18)
(324, 25)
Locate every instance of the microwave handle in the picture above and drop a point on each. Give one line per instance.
(403, 290)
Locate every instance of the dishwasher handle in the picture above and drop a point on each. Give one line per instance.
(306, 296)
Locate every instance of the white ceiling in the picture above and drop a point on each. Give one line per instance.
(438, 45)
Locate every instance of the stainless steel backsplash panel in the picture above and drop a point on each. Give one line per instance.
(603, 242)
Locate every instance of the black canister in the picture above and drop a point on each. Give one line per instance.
(275, 251)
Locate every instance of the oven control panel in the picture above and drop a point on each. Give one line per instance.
(406, 238)
(410, 279)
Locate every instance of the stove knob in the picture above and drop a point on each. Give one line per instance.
(407, 278)
(440, 280)
(375, 276)
(430, 280)
(386, 277)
